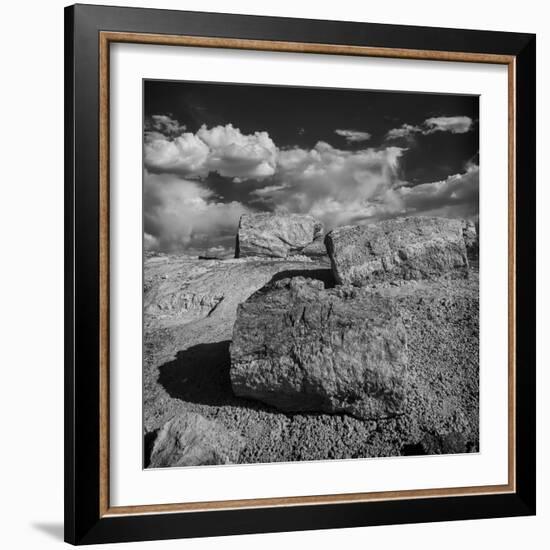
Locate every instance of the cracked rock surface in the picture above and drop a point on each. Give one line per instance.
(277, 235)
(398, 249)
(300, 347)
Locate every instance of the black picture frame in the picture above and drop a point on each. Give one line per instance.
(84, 522)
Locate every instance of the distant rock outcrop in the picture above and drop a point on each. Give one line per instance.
(275, 235)
(301, 347)
(398, 249)
(189, 439)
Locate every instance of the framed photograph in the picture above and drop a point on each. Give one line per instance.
(300, 284)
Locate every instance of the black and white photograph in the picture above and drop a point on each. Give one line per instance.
(310, 274)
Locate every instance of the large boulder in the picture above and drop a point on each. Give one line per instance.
(301, 347)
(189, 439)
(275, 235)
(398, 249)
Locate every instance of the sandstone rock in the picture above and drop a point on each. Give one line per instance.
(189, 439)
(275, 235)
(301, 347)
(398, 249)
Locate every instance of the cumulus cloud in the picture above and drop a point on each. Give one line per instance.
(233, 154)
(163, 125)
(185, 155)
(403, 131)
(452, 124)
(183, 214)
(345, 187)
(353, 135)
(334, 185)
(268, 191)
(457, 194)
(222, 149)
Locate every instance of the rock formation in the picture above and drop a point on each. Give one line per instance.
(300, 347)
(273, 347)
(398, 249)
(189, 439)
(275, 235)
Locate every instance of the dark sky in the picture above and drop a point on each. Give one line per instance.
(345, 156)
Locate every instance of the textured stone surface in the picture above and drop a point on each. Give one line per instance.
(184, 291)
(275, 235)
(398, 249)
(191, 440)
(301, 347)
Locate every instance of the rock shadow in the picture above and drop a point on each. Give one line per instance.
(148, 443)
(435, 444)
(199, 374)
(324, 275)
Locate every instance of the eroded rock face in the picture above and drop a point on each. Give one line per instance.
(398, 249)
(189, 439)
(301, 347)
(275, 235)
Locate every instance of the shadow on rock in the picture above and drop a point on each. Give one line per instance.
(323, 275)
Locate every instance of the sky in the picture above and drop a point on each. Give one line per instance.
(213, 152)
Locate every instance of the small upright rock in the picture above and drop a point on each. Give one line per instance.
(471, 239)
(275, 235)
(398, 249)
(189, 439)
(316, 250)
(301, 347)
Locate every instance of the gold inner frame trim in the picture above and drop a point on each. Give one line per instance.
(105, 39)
